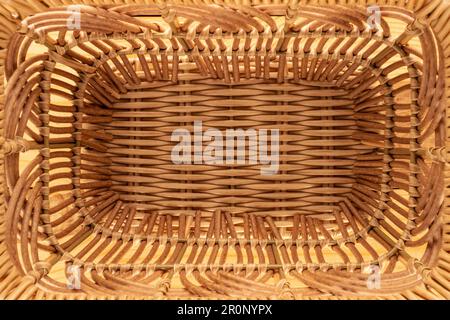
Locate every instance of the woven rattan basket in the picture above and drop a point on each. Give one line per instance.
(93, 206)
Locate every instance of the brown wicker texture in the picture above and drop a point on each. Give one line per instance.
(361, 181)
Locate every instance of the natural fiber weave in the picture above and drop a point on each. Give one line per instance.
(361, 183)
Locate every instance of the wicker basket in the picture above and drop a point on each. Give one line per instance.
(91, 94)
